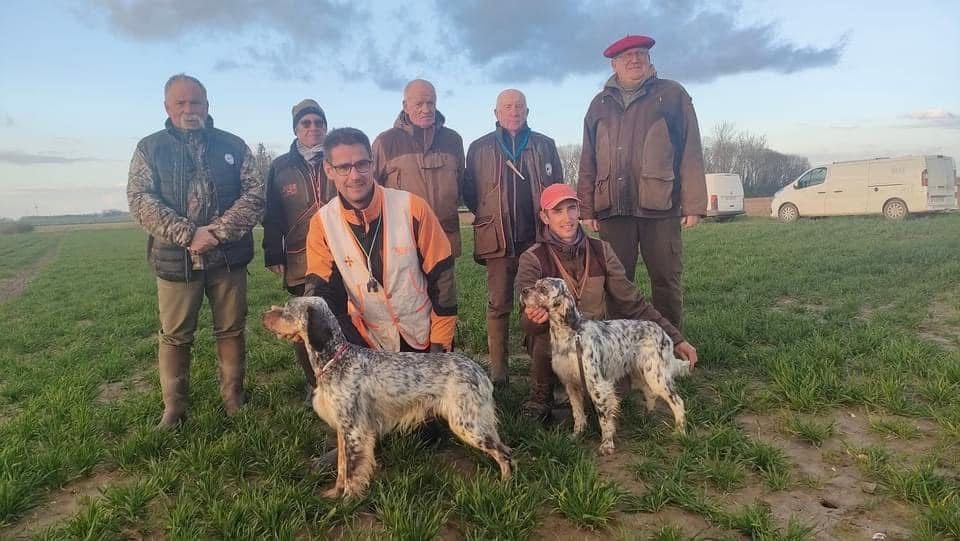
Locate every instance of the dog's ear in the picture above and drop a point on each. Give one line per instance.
(570, 315)
(281, 324)
(318, 327)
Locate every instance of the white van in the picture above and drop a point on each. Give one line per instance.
(894, 187)
(724, 195)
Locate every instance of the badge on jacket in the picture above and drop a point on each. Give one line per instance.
(289, 190)
(228, 158)
(549, 169)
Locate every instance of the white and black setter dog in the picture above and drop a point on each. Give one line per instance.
(364, 393)
(597, 354)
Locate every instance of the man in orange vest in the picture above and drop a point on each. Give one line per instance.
(379, 257)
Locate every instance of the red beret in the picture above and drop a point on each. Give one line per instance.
(628, 42)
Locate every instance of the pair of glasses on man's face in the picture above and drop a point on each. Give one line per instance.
(307, 123)
(343, 169)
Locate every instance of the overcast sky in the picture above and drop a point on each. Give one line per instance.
(82, 80)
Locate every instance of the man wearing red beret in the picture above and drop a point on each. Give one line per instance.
(641, 170)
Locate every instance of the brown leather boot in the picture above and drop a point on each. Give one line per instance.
(174, 367)
(498, 335)
(231, 354)
(311, 379)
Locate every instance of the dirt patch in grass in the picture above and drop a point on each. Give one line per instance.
(789, 304)
(111, 392)
(14, 286)
(942, 325)
(61, 504)
(840, 503)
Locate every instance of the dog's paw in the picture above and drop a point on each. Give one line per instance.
(607, 448)
(331, 493)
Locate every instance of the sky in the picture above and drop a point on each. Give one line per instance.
(82, 81)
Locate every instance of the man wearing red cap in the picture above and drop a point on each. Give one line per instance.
(641, 170)
(506, 170)
(594, 276)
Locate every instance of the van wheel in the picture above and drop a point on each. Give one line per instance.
(895, 209)
(788, 213)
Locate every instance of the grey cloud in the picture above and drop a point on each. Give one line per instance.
(932, 118)
(549, 40)
(496, 40)
(17, 157)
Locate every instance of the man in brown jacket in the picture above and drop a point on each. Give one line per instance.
(595, 277)
(506, 171)
(641, 170)
(296, 187)
(422, 156)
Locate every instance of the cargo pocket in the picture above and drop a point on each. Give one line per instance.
(655, 185)
(604, 149)
(485, 238)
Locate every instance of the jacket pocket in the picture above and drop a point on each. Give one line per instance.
(603, 151)
(486, 239)
(655, 183)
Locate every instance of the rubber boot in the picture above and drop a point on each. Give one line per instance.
(498, 334)
(174, 368)
(231, 354)
(311, 379)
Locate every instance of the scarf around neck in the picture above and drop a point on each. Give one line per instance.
(313, 155)
(523, 137)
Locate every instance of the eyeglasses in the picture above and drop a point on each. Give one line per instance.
(307, 122)
(343, 169)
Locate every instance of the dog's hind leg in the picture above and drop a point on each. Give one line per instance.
(649, 398)
(677, 407)
(480, 431)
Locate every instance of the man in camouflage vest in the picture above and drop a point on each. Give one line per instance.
(195, 191)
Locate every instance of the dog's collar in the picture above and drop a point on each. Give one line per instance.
(336, 356)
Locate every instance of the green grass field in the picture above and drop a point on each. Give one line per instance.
(826, 406)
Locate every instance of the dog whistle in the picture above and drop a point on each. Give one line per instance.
(372, 286)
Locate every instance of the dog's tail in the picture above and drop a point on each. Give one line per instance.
(678, 366)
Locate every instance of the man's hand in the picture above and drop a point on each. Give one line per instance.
(686, 352)
(592, 224)
(436, 348)
(690, 221)
(536, 314)
(277, 269)
(203, 241)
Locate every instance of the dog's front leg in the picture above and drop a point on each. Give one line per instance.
(604, 397)
(360, 447)
(342, 470)
(577, 404)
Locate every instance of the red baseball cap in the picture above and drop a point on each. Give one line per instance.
(554, 194)
(628, 42)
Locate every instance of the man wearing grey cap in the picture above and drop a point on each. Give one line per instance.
(296, 187)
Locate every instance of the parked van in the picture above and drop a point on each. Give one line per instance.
(894, 187)
(724, 195)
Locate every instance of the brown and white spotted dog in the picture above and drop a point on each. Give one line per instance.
(364, 393)
(606, 351)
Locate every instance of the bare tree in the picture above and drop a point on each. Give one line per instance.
(262, 160)
(764, 171)
(570, 159)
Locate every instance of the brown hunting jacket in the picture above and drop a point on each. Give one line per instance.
(428, 163)
(607, 293)
(642, 158)
(490, 191)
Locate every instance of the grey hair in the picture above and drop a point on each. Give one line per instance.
(183, 77)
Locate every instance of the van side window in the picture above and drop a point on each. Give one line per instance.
(813, 177)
